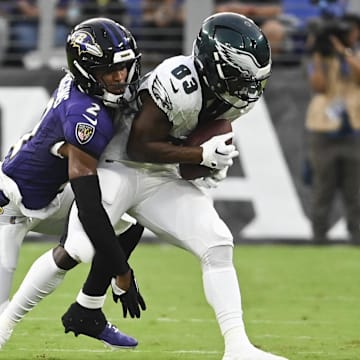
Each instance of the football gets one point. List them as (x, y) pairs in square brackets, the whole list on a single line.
[(201, 134)]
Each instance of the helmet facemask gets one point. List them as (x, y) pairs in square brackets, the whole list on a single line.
[(109, 94), (238, 88)]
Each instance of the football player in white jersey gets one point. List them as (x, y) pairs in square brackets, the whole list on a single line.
[(223, 78)]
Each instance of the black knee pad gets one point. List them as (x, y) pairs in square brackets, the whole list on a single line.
[(62, 259)]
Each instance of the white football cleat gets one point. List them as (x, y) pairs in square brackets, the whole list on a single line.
[(6, 329), (252, 354)]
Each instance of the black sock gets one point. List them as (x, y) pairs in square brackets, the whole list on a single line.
[(100, 275)]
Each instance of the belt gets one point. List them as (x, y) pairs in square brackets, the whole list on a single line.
[(3, 199)]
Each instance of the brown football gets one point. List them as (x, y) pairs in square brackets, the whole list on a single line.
[(201, 134)]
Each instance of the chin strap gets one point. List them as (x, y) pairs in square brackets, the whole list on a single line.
[(111, 100), (114, 101)]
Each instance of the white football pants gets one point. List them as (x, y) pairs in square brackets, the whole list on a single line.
[(14, 226), (179, 213)]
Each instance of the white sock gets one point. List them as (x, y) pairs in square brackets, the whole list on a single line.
[(223, 294), (42, 279), (90, 302), (236, 341)]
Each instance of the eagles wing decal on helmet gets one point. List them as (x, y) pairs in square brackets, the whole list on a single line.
[(233, 57), (85, 43), (161, 94), (238, 59)]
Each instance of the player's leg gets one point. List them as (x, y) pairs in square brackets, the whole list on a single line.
[(13, 228), (11, 238), (100, 275), (42, 279), (86, 310), (14, 225), (222, 291), (44, 276), (197, 227), (117, 192)]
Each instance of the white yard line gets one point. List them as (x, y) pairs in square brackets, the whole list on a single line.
[(198, 352), (289, 322), (198, 320)]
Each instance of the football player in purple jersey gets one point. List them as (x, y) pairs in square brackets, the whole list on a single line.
[(57, 162)]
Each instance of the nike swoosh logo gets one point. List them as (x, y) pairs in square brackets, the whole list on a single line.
[(90, 120), (175, 90), (218, 152)]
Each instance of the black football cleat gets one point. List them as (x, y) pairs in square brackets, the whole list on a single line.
[(92, 323)]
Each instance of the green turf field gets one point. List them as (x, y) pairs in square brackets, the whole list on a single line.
[(301, 302)]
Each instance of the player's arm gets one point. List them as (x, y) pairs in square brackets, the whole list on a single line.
[(148, 141), (96, 223), (85, 184)]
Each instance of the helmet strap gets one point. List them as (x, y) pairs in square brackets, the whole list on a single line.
[(111, 100), (81, 69)]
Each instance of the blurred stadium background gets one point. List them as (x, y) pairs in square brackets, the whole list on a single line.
[(264, 198)]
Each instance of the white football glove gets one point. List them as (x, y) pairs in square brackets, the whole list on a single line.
[(211, 182), (216, 154)]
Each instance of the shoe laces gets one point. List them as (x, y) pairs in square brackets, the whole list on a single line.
[(113, 327)]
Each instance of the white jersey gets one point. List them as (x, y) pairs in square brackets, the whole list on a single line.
[(174, 85)]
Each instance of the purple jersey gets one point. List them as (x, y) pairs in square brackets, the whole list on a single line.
[(70, 117)]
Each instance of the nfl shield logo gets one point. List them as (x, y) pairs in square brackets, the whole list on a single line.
[(84, 132)]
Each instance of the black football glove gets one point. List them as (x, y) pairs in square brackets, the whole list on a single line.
[(131, 300)]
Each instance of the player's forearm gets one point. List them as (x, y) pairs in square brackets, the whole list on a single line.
[(166, 153), (96, 222)]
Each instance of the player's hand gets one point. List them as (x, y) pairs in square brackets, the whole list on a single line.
[(216, 153), (211, 182), (131, 300)]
